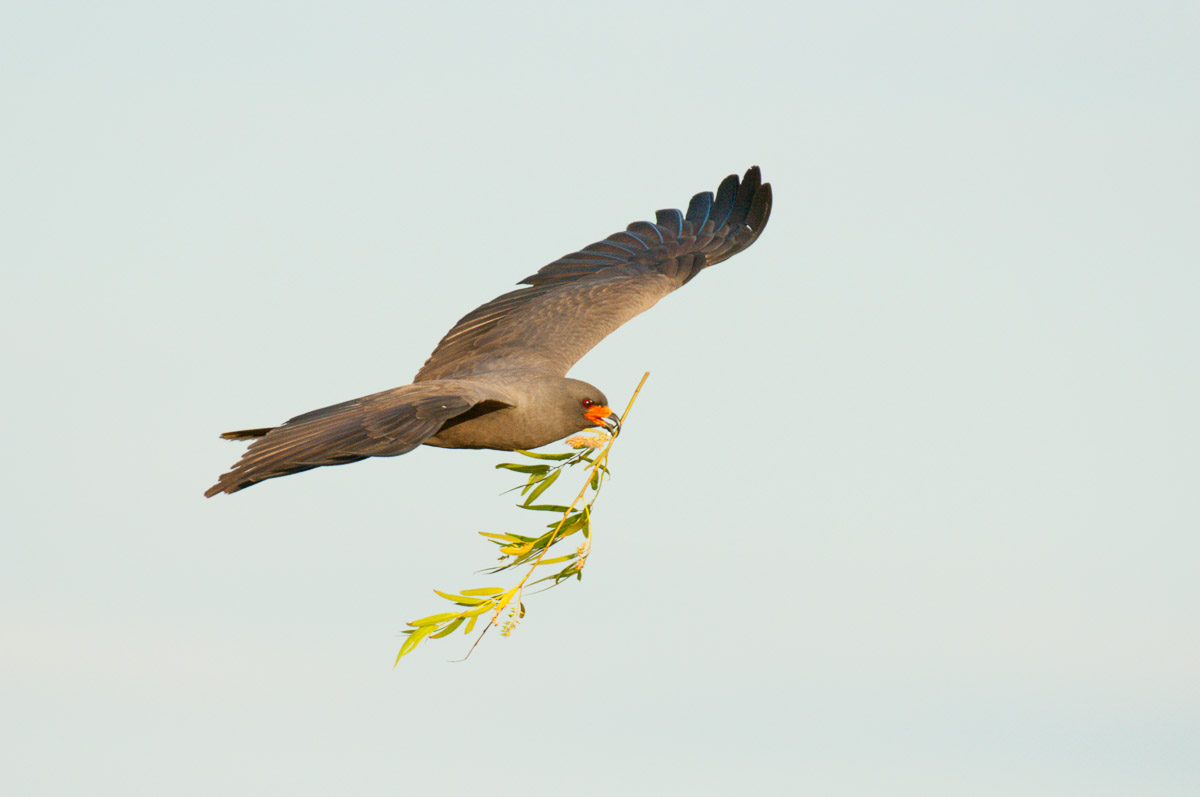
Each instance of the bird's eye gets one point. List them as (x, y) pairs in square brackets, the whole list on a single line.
[(587, 403)]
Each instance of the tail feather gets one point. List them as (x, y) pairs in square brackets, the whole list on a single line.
[(380, 425), (247, 434)]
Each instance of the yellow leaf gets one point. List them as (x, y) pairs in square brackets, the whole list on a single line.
[(480, 609), (448, 630), (412, 641), (461, 600), (557, 559), (434, 619), (508, 537)]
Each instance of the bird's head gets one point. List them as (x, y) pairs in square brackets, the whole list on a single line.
[(590, 404), (599, 414)]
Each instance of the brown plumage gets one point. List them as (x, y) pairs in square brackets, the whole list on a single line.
[(498, 378)]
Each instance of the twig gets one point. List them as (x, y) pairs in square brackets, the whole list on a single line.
[(516, 592)]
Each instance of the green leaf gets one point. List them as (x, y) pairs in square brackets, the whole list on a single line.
[(557, 559), (483, 591), (523, 468), (562, 510), (542, 487), (570, 525), (558, 457)]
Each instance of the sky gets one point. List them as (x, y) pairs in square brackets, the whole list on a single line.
[(907, 506)]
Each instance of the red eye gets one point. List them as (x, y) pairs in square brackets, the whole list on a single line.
[(587, 403)]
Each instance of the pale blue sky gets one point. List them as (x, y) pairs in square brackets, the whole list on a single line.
[(907, 507)]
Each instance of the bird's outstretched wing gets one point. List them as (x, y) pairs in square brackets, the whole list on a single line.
[(575, 302), (380, 425)]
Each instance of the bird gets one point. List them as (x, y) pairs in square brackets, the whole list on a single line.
[(498, 379)]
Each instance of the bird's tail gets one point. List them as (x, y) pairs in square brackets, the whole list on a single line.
[(380, 425), (247, 434)]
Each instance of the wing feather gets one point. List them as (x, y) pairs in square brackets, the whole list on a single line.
[(576, 301)]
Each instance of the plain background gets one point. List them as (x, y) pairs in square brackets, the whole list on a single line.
[(907, 507)]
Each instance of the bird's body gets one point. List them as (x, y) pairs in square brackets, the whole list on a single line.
[(498, 378), (536, 414)]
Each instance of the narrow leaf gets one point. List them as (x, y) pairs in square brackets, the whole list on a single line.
[(558, 457), (523, 468), (445, 632), (557, 559), (562, 510), (412, 641), (542, 487), (462, 600), (434, 619), (505, 537), (480, 609), (533, 479)]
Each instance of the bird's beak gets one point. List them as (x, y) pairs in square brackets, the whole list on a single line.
[(601, 415)]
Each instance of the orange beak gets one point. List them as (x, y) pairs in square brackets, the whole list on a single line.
[(601, 415)]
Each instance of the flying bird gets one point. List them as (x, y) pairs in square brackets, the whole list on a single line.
[(498, 379)]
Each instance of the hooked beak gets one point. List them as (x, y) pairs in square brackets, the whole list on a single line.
[(601, 415)]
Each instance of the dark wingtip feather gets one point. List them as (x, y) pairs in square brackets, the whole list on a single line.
[(670, 218), (647, 228), (726, 194), (699, 209), (746, 193), (760, 211), (738, 211)]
